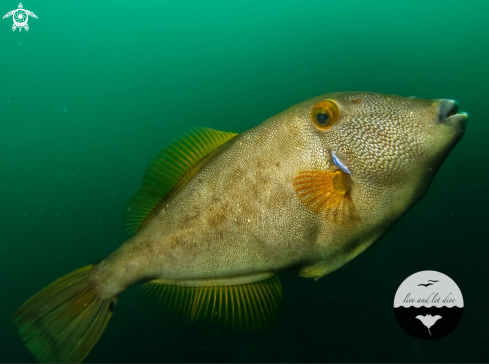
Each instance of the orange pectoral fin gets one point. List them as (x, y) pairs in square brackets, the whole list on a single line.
[(321, 190)]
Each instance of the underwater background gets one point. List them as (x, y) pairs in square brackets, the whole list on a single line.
[(95, 89)]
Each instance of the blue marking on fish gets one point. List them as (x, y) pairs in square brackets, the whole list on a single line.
[(339, 163)]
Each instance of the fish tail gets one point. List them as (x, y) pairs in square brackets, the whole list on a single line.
[(62, 322)]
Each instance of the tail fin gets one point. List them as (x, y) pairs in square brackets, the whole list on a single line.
[(62, 322)]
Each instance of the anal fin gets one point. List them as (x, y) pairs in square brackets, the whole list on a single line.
[(251, 306)]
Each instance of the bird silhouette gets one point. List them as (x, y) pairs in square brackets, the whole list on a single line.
[(430, 280), (428, 320), (426, 285)]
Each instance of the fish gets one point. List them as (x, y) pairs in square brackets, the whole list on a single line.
[(220, 214)]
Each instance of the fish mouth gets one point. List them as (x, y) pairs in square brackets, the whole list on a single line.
[(449, 114)]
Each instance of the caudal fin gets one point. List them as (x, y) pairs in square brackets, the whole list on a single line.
[(62, 322)]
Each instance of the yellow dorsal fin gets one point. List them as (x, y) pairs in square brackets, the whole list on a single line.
[(321, 190), (251, 306), (169, 171)]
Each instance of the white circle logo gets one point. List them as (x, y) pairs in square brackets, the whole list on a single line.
[(428, 305), (20, 18)]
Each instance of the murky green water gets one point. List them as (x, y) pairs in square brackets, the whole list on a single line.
[(95, 89)]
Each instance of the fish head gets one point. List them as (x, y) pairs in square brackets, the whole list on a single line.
[(390, 147)]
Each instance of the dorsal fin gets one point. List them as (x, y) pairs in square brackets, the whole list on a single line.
[(169, 171)]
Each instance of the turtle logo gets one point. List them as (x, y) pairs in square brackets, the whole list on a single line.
[(20, 16)]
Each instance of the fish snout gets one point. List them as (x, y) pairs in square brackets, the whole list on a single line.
[(448, 114)]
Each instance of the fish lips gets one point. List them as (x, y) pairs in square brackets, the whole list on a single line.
[(448, 114), (458, 120)]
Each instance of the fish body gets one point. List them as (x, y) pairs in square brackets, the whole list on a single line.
[(305, 192), (240, 218)]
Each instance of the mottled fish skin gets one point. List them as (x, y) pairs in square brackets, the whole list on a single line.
[(240, 220)]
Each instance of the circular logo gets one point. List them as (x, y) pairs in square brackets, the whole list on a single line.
[(20, 17), (428, 305)]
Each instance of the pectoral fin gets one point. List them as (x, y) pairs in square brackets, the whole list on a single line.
[(321, 190), (251, 306)]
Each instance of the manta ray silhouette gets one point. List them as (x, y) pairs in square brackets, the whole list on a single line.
[(428, 320)]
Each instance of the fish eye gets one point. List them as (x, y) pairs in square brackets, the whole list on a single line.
[(325, 114), (322, 118)]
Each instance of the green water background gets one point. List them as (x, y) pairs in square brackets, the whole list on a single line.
[(96, 88)]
